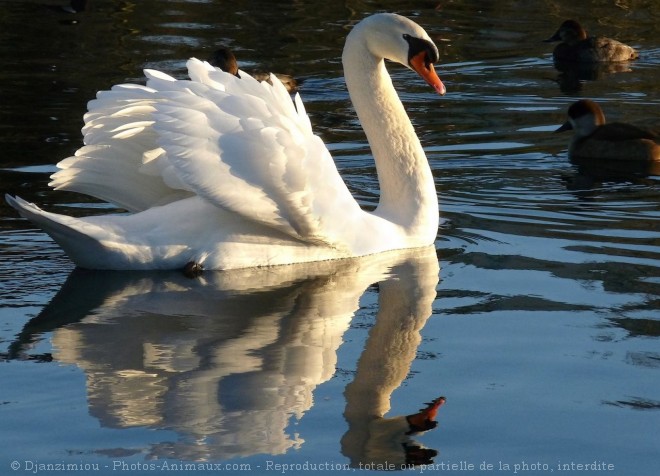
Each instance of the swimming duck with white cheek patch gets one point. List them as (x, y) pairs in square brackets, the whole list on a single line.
[(577, 46), (595, 139)]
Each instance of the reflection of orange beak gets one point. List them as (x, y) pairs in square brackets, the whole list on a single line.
[(426, 70)]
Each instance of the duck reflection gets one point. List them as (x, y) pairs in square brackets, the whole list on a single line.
[(228, 359), (572, 75), (589, 175)]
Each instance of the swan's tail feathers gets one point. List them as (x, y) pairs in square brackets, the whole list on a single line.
[(72, 234)]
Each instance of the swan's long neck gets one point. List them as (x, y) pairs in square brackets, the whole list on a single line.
[(407, 191)]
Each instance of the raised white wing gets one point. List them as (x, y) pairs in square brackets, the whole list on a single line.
[(240, 144), (119, 139)]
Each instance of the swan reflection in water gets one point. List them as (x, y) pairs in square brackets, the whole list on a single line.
[(227, 359)]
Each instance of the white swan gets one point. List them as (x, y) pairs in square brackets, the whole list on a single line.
[(227, 173)]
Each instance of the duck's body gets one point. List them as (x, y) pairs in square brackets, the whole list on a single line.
[(226, 172), (225, 59), (596, 139), (577, 47)]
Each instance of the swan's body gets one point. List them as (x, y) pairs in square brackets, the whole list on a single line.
[(226, 172)]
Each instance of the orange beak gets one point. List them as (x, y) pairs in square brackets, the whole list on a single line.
[(425, 69)]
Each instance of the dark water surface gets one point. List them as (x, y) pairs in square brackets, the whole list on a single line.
[(542, 330)]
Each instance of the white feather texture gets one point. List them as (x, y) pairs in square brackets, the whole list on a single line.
[(227, 172)]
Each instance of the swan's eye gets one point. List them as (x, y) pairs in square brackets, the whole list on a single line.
[(419, 45)]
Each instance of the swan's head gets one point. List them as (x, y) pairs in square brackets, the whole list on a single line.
[(399, 39)]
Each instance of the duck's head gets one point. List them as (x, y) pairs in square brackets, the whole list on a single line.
[(569, 32), (225, 60), (584, 116)]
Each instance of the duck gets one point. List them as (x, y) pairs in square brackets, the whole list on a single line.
[(226, 172), (577, 46), (225, 59), (616, 141)]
